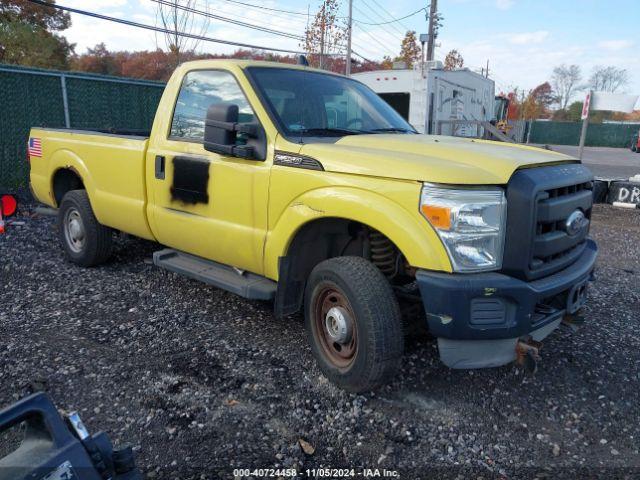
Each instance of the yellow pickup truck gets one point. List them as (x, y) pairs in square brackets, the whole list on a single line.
[(298, 186)]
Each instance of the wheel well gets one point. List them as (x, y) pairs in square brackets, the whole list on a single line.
[(326, 238), (65, 180)]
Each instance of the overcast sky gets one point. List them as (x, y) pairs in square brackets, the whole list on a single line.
[(522, 39)]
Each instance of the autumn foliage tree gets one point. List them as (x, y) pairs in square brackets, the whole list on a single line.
[(325, 35), (538, 102), (453, 60), (28, 35), (410, 51)]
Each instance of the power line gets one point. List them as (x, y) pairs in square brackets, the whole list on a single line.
[(364, 49), (386, 48), (159, 29), (387, 12), (229, 20), (382, 17), (262, 7), (423, 9), (298, 22), (382, 27), (164, 30)]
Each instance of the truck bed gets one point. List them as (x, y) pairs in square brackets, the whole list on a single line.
[(111, 164)]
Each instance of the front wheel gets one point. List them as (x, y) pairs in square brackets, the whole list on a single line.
[(353, 322), (85, 241)]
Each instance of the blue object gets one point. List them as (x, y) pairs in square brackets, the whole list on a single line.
[(53, 448)]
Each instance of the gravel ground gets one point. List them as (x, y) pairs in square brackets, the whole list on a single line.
[(202, 382)]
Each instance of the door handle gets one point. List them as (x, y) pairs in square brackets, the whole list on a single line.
[(160, 167)]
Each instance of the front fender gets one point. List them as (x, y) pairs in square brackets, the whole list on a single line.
[(415, 238)]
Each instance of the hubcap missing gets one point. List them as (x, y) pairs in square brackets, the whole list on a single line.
[(335, 325)]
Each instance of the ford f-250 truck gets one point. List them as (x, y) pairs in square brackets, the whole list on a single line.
[(295, 185)]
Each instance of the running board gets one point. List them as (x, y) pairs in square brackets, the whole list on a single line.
[(245, 284)]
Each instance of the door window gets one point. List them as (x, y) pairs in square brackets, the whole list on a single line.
[(200, 89)]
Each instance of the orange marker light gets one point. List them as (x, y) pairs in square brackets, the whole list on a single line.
[(439, 217)]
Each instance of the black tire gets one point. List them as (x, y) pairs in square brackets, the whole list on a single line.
[(361, 291), (634, 148), (88, 244)]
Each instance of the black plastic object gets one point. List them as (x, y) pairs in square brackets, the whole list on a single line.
[(52, 449), (600, 190), (224, 135), (539, 202), (159, 167), (246, 284), (219, 134), (448, 298)]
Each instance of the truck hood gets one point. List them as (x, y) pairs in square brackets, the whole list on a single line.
[(431, 158)]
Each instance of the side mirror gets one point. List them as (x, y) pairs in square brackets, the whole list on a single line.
[(221, 133)]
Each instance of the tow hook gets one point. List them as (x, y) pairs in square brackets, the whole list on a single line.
[(528, 354), (574, 321)]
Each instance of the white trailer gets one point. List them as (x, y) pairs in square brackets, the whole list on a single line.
[(424, 99)]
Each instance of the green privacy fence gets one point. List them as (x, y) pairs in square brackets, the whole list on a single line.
[(568, 133), (48, 98)]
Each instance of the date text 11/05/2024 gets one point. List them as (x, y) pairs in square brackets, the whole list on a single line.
[(315, 473)]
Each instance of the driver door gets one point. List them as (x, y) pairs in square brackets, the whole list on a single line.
[(207, 204)]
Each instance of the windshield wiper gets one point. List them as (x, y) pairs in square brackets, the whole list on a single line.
[(329, 132), (390, 129)]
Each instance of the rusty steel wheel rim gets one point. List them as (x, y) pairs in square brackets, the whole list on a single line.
[(335, 326)]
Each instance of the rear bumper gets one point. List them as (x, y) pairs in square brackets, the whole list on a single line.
[(494, 306)]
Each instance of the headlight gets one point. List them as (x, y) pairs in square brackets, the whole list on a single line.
[(469, 222)]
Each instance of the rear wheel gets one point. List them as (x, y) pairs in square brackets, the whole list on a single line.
[(353, 323), (85, 241)]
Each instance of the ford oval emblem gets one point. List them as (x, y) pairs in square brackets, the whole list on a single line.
[(575, 222)]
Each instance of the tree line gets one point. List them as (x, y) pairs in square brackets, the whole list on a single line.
[(554, 99), (31, 35)]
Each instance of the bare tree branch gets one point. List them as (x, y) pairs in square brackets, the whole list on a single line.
[(608, 79), (178, 16), (566, 82)]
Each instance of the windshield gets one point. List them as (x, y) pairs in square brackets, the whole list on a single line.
[(307, 103)]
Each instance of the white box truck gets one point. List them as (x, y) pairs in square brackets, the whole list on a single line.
[(426, 96)]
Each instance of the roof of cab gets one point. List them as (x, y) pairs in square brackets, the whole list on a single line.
[(222, 62)]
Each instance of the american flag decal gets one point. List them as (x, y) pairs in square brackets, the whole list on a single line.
[(35, 147)]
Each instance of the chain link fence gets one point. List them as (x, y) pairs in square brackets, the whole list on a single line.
[(32, 97)]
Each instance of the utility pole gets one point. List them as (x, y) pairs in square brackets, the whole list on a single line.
[(322, 28), (487, 70), (432, 19), (350, 28)]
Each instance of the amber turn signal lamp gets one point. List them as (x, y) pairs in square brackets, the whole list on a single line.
[(439, 217)]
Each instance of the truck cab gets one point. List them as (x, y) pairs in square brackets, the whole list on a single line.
[(301, 187)]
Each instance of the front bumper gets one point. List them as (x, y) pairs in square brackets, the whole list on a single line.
[(491, 306)]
